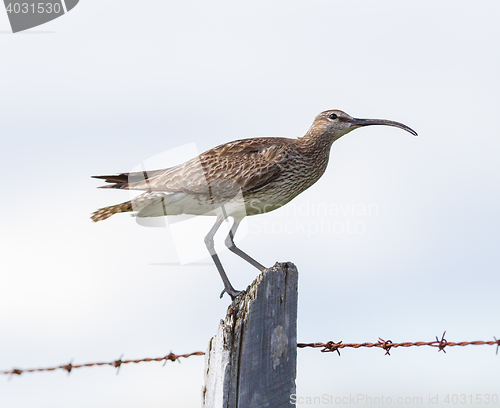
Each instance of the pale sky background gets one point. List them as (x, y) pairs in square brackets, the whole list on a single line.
[(114, 83)]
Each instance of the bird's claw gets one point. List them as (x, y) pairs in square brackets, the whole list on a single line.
[(233, 293)]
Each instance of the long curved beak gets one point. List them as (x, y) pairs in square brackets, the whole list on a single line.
[(367, 122)]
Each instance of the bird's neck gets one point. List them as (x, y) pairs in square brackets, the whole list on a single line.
[(316, 143)]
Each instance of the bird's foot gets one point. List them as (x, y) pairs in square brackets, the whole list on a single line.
[(231, 292)]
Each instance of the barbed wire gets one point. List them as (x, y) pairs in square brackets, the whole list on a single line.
[(387, 345), (117, 364), (328, 347)]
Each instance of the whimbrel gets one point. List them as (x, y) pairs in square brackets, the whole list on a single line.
[(236, 179)]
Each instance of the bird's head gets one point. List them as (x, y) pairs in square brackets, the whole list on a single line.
[(336, 124)]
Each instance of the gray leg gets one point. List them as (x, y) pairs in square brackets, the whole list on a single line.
[(232, 247), (209, 242)]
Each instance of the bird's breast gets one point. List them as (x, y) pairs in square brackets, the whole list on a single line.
[(296, 176)]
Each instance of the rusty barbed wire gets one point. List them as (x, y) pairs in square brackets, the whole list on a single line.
[(387, 345), (117, 364), (330, 346)]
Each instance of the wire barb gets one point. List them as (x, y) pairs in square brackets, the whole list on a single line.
[(442, 343), (14, 371), (332, 346), (68, 367), (386, 345), (117, 363)]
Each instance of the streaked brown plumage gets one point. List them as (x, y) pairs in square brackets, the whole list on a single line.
[(239, 178)]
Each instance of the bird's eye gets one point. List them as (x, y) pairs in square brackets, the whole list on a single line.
[(333, 116)]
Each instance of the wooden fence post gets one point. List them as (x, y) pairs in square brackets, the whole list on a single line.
[(251, 361)]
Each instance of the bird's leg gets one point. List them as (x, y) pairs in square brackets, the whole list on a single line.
[(209, 242), (233, 248)]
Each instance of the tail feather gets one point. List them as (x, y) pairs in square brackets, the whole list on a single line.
[(121, 180), (115, 178), (136, 181), (106, 212), (123, 186)]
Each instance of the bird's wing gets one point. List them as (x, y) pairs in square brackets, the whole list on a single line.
[(243, 165), (246, 165)]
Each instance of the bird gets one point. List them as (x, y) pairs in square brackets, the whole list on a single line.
[(237, 179)]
